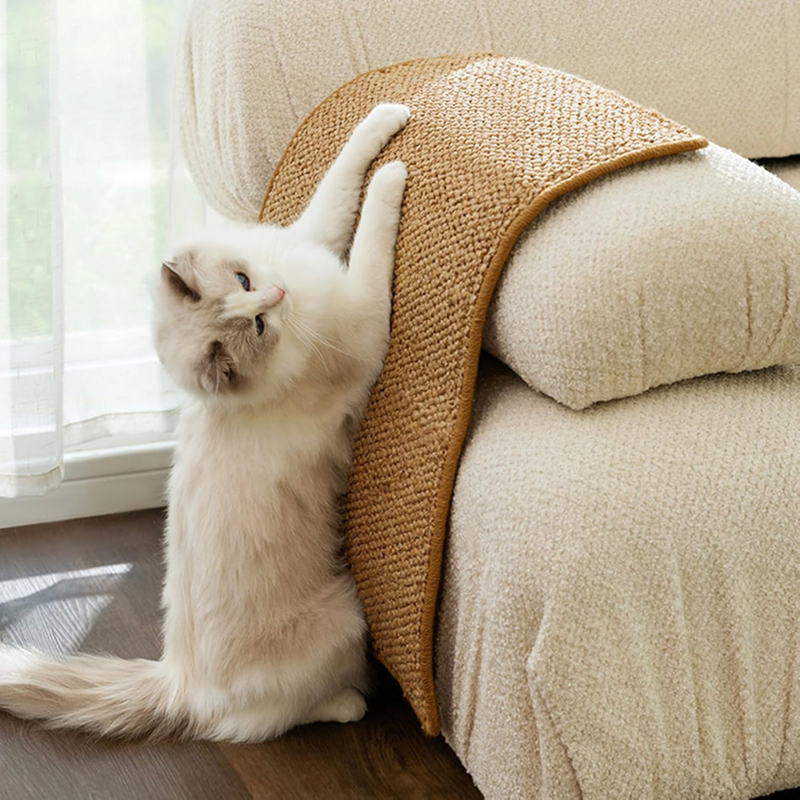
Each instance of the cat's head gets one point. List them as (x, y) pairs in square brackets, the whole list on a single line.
[(220, 322)]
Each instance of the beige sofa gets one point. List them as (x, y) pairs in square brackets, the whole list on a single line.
[(620, 608)]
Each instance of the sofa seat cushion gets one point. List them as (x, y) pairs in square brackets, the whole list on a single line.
[(621, 596)]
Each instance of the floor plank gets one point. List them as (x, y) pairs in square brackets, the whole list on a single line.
[(384, 755), (37, 764), (94, 585)]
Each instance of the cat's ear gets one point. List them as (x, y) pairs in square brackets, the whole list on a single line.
[(218, 370), (180, 278)]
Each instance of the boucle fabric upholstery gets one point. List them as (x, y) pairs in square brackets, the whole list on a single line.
[(620, 607), (251, 70), (491, 141), (787, 169), (658, 273)]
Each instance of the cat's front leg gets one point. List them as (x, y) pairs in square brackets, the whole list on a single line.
[(330, 216), (371, 265), (371, 262)]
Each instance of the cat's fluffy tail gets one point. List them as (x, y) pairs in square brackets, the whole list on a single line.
[(105, 695)]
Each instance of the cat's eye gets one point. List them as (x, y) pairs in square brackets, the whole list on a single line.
[(244, 280), (259, 325)]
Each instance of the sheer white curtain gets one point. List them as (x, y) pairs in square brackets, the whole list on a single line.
[(86, 172)]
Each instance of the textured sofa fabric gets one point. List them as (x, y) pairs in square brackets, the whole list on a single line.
[(621, 597), (253, 69), (664, 271), (787, 169)]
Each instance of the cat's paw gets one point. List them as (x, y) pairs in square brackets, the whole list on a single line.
[(389, 183), (390, 116), (347, 705), (383, 122), (350, 705)]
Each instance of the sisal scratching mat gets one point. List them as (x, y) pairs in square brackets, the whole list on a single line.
[(490, 143)]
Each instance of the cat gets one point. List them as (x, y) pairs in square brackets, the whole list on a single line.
[(278, 343)]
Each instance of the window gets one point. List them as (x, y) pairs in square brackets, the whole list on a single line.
[(88, 186)]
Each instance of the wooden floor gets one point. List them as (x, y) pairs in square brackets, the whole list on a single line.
[(94, 585)]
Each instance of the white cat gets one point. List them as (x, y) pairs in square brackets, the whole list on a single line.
[(279, 343)]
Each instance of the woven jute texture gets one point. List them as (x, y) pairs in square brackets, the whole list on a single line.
[(490, 143)]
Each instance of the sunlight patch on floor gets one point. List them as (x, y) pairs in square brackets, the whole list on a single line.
[(55, 611)]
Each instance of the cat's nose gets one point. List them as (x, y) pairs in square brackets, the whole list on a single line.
[(271, 296)]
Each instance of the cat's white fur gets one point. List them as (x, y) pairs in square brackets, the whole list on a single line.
[(263, 626)]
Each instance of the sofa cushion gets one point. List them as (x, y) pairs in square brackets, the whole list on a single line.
[(620, 602), (657, 273)]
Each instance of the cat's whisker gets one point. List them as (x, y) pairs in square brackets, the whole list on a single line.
[(310, 345), (325, 342)]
